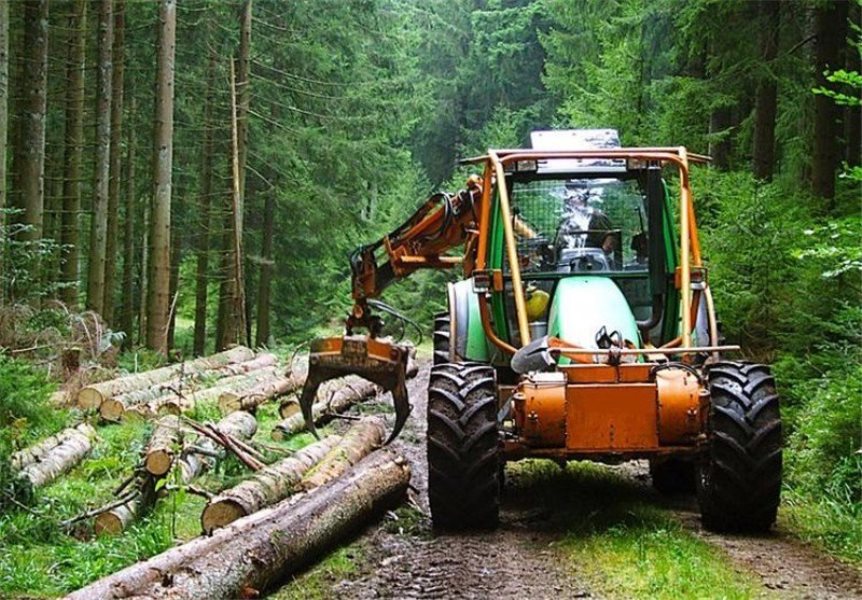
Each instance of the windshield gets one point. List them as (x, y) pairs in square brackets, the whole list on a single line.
[(580, 225)]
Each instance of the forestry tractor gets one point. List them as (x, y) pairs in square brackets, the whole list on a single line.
[(583, 329)]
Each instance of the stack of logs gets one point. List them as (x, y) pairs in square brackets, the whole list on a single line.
[(259, 531)]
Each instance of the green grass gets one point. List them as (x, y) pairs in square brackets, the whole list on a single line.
[(833, 526), (316, 583), (618, 536)]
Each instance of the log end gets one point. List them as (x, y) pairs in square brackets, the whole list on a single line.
[(90, 397), (229, 402), (170, 408), (278, 434), (108, 523), (288, 408), (158, 462), (221, 512), (112, 410)]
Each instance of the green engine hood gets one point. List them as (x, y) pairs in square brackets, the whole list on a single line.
[(583, 305)]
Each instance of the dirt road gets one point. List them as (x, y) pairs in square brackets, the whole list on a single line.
[(400, 558)]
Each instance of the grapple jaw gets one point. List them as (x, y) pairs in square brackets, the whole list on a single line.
[(377, 361)]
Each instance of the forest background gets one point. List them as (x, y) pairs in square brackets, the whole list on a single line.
[(195, 174)]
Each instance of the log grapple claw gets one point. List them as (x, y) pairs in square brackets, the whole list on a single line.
[(377, 361)]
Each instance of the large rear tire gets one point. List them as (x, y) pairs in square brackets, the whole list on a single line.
[(463, 447), (739, 480), (441, 338)]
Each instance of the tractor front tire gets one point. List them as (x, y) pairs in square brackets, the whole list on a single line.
[(739, 479), (441, 338), (463, 447), (672, 476)]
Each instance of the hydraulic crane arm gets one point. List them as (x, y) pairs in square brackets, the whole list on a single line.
[(443, 222)]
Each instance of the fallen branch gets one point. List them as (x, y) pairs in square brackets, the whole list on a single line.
[(256, 552)]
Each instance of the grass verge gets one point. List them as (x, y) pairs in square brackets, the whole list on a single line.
[(619, 538)]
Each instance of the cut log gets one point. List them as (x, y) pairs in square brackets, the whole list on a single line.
[(73, 445), (112, 409), (250, 399), (363, 437), (92, 396), (164, 443), (37, 452), (266, 487), (189, 464), (332, 399), (204, 453), (255, 552), (117, 519), (176, 404)]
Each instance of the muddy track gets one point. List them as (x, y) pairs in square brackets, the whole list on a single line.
[(520, 560)]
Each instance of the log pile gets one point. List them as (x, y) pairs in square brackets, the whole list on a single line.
[(255, 552), (161, 455), (44, 462), (92, 396), (333, 398)]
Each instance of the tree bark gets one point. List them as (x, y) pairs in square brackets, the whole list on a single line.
[(766, 100), (853, 114), (99, 222), (266, 266), (127, 320), (237, 307), (112, 409), (361, 439), (177, 404), (4, 129), (37, 452), (203, 246), (173, 294), (830, 27), (74, 445), (164, 442), (333, 397), (265, 487), (92, 396), (72, 157), (115, 154), (250, 399), (255, 552), (158, 301)]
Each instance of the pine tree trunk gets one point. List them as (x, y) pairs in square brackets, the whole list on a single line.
[(127, 320), (4, 129), (72, 156), (266, 267), (29, 155), (853, 114), (766, 101), (238, 282), (363, 437), (255, 552), (39, 451), (115, 155), (99, 223), (176, 255), (265, 487), (158, 301), (203, 246), (830, 26)]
